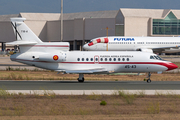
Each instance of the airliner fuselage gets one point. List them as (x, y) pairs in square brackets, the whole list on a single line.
[(145, 44)]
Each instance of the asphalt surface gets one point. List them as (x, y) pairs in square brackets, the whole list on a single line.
[(90, 85)]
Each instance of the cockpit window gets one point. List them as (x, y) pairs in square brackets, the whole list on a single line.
[(155, 57), (159, 57), (90, 41), (151, 57)]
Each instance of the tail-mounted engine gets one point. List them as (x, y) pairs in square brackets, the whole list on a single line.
[(53, 57)]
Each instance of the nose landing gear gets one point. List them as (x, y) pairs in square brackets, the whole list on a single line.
[(149, 80)]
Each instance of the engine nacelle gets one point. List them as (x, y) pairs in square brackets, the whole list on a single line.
[(53, 57)]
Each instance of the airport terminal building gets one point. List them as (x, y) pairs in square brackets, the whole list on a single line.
[(79, 28)]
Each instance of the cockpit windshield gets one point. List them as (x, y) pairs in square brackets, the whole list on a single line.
[(155, 57), (90, 41)]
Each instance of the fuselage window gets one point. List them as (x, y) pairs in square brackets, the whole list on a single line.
[(91, 59), (127, 59), (119, 59), (101, 59), (123, 59), (110, 59), (78, 59), (96, 59), (87, 59), (105, 59), (114, 59), (82, 59)]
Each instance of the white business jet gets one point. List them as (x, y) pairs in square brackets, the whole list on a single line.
[(57, 57), (144, 44)]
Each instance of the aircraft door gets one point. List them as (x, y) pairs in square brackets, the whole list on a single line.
[(96, 59)]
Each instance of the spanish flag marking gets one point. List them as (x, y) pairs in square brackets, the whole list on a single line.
[(55, 57)]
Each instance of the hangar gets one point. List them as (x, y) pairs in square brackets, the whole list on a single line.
[(79, 28)]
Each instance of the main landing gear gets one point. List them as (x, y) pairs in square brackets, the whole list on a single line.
[(149, 80), (81, 78)]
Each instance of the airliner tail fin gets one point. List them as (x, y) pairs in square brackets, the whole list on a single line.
[(24, 35)]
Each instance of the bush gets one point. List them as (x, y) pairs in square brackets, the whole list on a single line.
[(103, 103)]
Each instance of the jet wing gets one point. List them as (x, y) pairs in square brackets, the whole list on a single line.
[(168, 49), (85, 71)]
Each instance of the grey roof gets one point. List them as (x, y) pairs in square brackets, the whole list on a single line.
[(69, 16), (7, 17), (66, 16), (41, 16), (165, 12), (150, 13), (96, 14)]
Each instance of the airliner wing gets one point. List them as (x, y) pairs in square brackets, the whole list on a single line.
[(175, 48), (86, 71), (166, 47)]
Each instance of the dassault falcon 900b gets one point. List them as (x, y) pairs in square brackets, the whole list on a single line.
[(144, 44), (57, 57)]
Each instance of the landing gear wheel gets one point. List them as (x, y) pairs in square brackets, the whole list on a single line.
[(81, 80), (148, 80), (149, 76)]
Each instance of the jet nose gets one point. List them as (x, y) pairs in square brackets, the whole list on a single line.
[(86, 46), (171, 66)]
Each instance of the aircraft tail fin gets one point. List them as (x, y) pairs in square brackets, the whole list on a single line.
[(24, 35)]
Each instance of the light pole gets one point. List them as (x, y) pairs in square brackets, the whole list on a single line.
[(61, 20)]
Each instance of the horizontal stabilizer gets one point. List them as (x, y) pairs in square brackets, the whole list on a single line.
[(21, 43)]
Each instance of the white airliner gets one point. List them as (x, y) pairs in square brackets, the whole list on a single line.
[(144, 44), (57, 57)]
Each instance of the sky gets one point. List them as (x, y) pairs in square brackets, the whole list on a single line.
[(72, 6)]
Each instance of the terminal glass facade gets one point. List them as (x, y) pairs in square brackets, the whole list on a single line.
[(168, 26)]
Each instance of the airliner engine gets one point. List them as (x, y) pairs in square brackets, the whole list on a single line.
[(55, 57)]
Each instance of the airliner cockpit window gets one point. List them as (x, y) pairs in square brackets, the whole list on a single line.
[(90, 41), (151, 57), (155, 57), (159, 58)]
